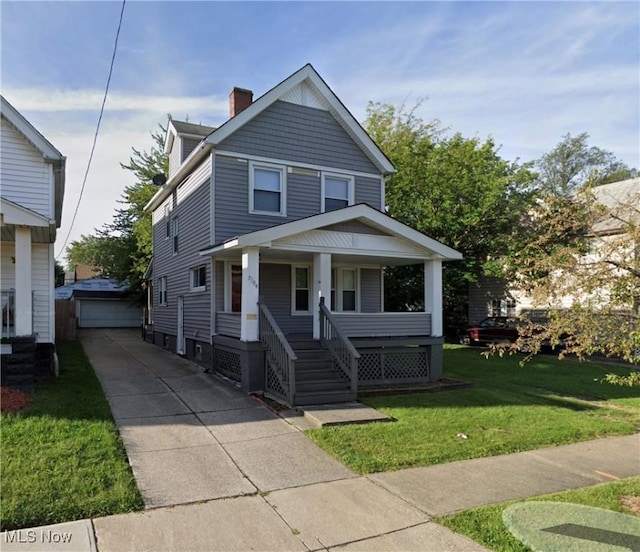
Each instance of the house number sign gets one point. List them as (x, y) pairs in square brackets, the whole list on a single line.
[(252, 281)]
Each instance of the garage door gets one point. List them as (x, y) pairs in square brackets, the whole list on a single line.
[(108, 314)]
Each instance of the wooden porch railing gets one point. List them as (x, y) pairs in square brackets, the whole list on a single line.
[(280, 356), (338, 344)]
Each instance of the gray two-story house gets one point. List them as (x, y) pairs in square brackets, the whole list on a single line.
[(270, 242)]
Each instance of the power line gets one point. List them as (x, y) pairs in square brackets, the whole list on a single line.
[(95, 136)]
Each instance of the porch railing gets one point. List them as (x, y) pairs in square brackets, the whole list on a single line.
[(8, 298), (337, 343), (280, 358)]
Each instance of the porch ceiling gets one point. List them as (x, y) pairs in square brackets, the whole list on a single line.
[(39, 234)]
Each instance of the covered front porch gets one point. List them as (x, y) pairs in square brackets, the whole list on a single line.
[(300, 311)]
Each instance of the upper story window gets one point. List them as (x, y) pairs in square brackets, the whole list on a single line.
[(162, 290), (198, 278), (167, 221), (267, 189), (337, 191)]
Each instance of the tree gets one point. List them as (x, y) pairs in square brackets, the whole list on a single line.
[(59, 274), (573, 163), (590, 285), (454, 189), (122, 249)]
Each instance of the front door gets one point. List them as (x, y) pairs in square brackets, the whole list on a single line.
[(180, 336)]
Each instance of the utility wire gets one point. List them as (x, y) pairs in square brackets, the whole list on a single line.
[(95, 136)]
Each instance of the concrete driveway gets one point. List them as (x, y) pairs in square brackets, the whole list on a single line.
[(219, 471)]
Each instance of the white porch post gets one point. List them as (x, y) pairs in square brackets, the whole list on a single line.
[(249, 330), (433, 294), (321, 287), (24, 298)]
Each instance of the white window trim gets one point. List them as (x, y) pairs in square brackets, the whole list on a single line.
[(283, 188), (338, 176), (309, 268), (192, 271), (339, 288), (161, 292)]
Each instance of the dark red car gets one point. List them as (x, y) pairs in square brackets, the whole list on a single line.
[(494, 329)]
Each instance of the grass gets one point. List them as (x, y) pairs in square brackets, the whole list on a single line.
[(485, 525), (510, 409), (62, 458)]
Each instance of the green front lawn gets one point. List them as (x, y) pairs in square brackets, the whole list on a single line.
[(62, 458), (509, 409), (485, 525)]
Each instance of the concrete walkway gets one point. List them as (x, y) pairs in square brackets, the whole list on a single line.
[(219, 471)]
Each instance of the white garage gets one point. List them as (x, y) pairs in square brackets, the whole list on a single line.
[(107, 313), (101, 303)]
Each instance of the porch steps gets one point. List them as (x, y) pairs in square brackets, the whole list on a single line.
[(317, 380)]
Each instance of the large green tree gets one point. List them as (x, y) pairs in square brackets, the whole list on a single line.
[(457, 190), (573, 163), (122, 249)]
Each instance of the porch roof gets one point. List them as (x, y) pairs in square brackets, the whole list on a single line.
[(398, 242)]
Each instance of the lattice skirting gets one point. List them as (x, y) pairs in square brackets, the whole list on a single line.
[(393, 365), (273, 384), (228, 363)]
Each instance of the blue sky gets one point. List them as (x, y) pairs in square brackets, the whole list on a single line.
[(524, 73)]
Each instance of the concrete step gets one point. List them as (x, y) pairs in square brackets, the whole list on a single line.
[(324, 397), (333, 385)]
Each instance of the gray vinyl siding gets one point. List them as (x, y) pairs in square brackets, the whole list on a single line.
[(232, 217), (275, 289), (193, 235), (368, 190), (390, 324), (370, 293), (299, 133), (188, 145), (481, 294)]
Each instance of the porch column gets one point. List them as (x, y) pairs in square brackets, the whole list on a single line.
[(24, 298), (321, 287), (433, 294), (249, 330)]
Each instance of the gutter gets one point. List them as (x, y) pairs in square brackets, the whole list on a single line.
[(189, 164)]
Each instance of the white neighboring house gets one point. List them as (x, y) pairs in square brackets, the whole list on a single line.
[(32, 178), (495, 297)]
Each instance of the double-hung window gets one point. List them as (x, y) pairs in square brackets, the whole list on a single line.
[(162, 290), (198, 278), (337, 191), (301, 290), (344, 290), (267, 189), (167, 221)]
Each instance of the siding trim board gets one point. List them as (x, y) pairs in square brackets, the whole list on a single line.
[(228, 154)]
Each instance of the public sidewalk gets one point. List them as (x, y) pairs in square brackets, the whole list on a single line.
[(219, 471)]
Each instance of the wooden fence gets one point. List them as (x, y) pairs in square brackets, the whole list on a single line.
[(66, 320)]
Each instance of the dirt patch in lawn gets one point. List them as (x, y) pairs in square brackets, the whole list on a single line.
[(12, 400), (631, 503)]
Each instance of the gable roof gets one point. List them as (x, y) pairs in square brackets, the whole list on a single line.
[(325, 97), (322, 95), (45, 148), (361, 212), (183, 128)]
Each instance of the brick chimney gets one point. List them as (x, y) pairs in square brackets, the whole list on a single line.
[(239, 100)]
